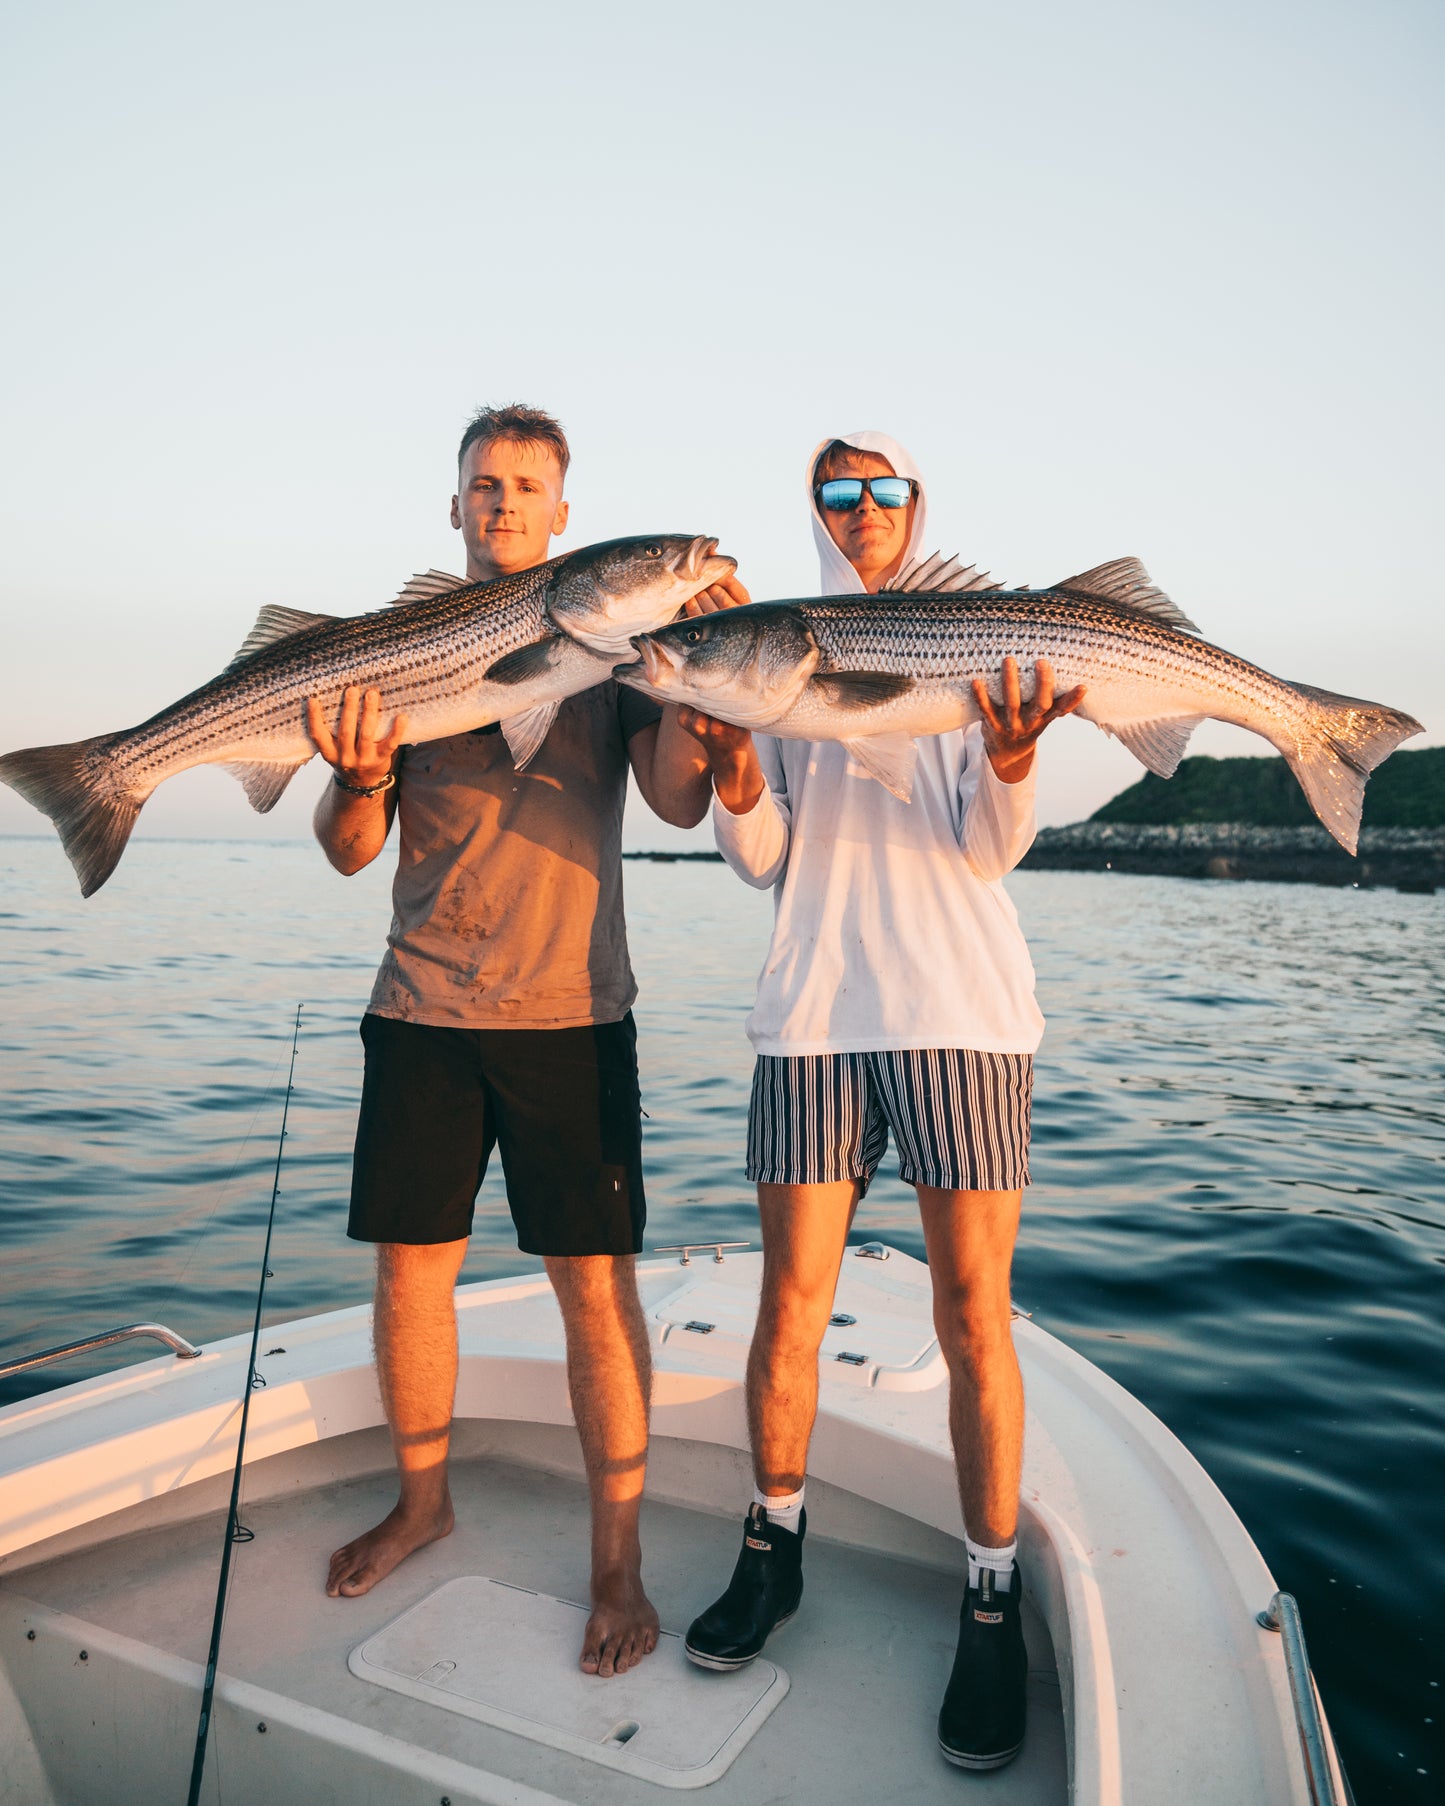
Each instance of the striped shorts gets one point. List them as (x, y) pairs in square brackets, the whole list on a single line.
[(960, 1118)]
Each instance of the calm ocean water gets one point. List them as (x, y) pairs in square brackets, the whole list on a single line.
[(1237, 1208)]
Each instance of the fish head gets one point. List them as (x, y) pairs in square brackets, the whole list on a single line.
[(743, 665), (607, 594)]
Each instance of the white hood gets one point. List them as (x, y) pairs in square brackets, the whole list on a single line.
[(838, 578)]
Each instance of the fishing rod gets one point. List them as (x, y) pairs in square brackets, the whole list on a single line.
[(236, 1532)]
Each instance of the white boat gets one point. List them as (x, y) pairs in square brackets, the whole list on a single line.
[(1152, 1678)]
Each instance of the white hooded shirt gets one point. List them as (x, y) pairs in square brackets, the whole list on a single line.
[(892, 929)]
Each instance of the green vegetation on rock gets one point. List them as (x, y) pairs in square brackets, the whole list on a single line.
[(1408, 791)]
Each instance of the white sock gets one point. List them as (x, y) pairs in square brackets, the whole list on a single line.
[(980, 1556), (783, 1508)]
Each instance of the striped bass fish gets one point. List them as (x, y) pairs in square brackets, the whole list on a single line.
[(873, 671), (450, 654)]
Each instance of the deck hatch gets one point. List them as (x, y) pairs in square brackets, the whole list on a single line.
[(896, 1336), (665, 1722)]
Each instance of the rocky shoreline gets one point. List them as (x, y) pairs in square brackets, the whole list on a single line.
[(1410, 859)]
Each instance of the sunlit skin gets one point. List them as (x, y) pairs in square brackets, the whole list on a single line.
[(969, 1234), (507, 508)]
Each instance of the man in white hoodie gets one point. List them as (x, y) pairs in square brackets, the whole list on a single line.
[(897, 994)]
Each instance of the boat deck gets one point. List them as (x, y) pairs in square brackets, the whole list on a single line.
[(866, 1660), (1144, 1587)]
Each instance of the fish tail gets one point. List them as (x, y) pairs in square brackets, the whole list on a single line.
[(76, 787), (1335, 746)]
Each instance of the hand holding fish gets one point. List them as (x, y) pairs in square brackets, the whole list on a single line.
[(357, 750), (716, 597), (737, 778), (1010, 728)]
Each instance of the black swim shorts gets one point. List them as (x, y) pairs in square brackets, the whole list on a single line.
[(562, 1104)]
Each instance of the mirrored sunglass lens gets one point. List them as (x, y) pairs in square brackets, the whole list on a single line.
[(891, 492), (840, 493)]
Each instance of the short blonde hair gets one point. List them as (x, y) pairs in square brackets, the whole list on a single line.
[(516, 424)]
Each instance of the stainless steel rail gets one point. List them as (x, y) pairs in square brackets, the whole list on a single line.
[(157, 1331), (1282, 1614)]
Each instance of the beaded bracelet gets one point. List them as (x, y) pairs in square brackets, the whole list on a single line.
[(363, 789)]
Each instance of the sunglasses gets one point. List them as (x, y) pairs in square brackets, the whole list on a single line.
[(840, 494)]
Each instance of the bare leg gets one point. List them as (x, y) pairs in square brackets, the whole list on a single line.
[(970, 1238), (415, 1331), (805, 1228), (609, 1373)]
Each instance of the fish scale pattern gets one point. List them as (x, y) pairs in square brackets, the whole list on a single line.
[(939, 640), (416, 654)]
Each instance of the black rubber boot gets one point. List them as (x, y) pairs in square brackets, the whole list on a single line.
[(981, 1724), (764, 1592)]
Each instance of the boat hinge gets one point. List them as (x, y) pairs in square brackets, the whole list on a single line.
[(688, 1249)]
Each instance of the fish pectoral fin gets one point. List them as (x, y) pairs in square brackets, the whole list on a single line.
[(1125, 583), (525, 733), (272, 624), (888, 757), (1157, 744), (526, 662), (421, 586), (264, 780), (940, 574), (860, 689)]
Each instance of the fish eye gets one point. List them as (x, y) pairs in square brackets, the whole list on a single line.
[(652, 551), (694, 636)]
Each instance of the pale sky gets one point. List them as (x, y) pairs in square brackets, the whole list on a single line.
[(1146, 278)]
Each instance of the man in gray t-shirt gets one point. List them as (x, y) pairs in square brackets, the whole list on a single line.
[(501, 1016)]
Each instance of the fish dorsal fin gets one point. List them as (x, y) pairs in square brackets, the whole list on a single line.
[(1125, 583), (421, 586), (274, 624), (264, 780), (940, 574), (526, 732)]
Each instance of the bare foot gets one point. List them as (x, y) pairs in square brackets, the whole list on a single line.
[(356, 1568), (623, 1627)]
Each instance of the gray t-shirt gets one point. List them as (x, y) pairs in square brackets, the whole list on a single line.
[(508, 894)]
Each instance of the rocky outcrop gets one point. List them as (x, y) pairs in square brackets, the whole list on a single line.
[(1404, 858)]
